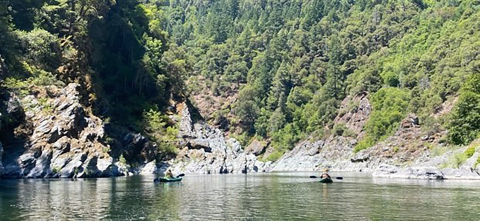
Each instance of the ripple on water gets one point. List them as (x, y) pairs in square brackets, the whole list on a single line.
[(281, 196)]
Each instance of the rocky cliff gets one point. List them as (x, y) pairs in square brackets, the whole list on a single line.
[(206, 150), (56, 137), (410, 153)]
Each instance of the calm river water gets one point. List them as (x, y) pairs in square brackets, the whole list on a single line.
[(272, 196)]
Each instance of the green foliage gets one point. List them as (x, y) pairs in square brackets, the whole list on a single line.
[(37, 77), (294, 62), (122, 160), (40, 48), (389, 108), (465, 123), (470, 151), (244, 139), (56, 169), (156, 126), (274, 156), (291, 62)]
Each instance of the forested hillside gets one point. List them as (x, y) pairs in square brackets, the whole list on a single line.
[(269, 69), (116, 50), (291, 63)]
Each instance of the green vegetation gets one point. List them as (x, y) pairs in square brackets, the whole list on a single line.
[(290, 64), (118, 51), (56, 170), (465, 125), (155, 125), (389, 108), (294, 62)]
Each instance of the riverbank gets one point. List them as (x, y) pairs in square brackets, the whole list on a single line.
[(70, 141)]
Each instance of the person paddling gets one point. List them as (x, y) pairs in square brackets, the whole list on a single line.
[(325, 175), (169, 174)]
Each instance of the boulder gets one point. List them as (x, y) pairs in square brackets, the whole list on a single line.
[(137, 147), (257, 147), (74, 166), (42, 166), (463, 173), (200, 144), (361, 156), (185, 125), (149, 168), (430, 173)]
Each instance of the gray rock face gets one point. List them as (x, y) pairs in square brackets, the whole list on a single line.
[(463, 173), (66, 141), (208, 151), (257, 147), (149, 168), (387, 171), (138, 147)]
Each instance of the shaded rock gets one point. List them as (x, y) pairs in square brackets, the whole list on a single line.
[(362, 156), (139, 148), (63, 144), (42, 166), (14, 108), (73, 166), (257, 147), (200, 144)]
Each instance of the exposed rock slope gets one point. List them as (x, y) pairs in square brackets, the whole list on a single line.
[(61, 138), (207, 150)]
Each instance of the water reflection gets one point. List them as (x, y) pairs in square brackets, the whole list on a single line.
[(281, 196)]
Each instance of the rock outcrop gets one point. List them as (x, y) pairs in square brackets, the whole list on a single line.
[(335, 152), (206, 150), (388, 171), (63, 139), (406, 154)]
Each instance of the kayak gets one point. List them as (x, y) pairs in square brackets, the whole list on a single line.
[(326, 180), (168, 180)]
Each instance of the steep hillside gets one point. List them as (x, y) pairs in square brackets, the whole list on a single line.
[(280, 70), (105, 88), (80, 82)]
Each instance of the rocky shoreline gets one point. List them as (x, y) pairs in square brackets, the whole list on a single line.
[(68, 140)]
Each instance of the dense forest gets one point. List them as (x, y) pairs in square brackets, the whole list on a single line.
[(293, 62), (288, 63)]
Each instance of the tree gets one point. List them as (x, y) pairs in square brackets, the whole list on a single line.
[(465, 124)]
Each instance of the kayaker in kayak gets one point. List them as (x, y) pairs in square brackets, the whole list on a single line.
[(169, 174), (325, 175)]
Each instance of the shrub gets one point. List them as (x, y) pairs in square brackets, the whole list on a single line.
[(40, 48), (274, 156), (389, 108), (469, 151), (465, 124)]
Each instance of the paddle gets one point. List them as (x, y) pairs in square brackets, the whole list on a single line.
[(338, 177), (180, 175)]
